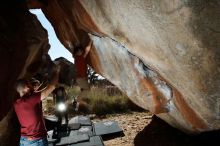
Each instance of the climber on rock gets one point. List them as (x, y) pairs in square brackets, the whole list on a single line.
[(80, 56), (29, 110)]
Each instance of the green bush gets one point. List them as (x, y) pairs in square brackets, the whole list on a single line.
[(102, 103)]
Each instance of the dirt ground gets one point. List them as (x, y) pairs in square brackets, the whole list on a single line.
[(131, 123), (141, 129)]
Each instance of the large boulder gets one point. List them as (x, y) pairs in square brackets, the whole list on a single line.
[(151, 49), (22, 42), (67, 74)]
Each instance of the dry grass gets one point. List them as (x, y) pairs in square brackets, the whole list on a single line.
[(106, 101), (102, 101)]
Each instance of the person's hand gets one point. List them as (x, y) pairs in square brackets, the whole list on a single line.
[(87, 49)]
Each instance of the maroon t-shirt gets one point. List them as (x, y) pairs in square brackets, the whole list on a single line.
[(30, 116), (81, 66)]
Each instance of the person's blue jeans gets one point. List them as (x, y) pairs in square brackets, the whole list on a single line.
[(39, 142)]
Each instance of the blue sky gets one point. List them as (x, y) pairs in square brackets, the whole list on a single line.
[(57, 49)]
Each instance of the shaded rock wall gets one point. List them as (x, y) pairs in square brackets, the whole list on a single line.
[(46, 69), (151, 49), (22, 42)]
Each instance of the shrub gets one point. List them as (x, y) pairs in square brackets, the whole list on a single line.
[(101, 102)]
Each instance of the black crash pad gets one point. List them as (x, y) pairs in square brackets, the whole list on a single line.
[(74, 126), (107, 128), (73, 138), (93, 141), (83, 120), (86, 130)]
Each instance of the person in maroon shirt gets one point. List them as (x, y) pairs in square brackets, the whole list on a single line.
[(80, 56), (29, 111)]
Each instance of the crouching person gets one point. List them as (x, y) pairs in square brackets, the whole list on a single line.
[(29, 111)]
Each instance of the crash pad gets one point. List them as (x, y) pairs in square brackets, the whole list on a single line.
[(93, 141), (83, 120), (86, 130), (73, 138), (107, 128)]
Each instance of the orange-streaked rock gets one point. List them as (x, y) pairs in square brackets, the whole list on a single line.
[(169, 40)]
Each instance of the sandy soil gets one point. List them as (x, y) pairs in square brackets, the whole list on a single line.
[(131, 123), (141, 129)]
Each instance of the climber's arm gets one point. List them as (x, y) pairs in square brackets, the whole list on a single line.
[(87, 49)]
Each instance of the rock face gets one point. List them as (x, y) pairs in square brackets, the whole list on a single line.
[(68, 73), (152, 50), (166, 51), (22, 42)]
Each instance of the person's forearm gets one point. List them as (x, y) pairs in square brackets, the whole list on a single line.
[(52, 84), (87, 49)]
